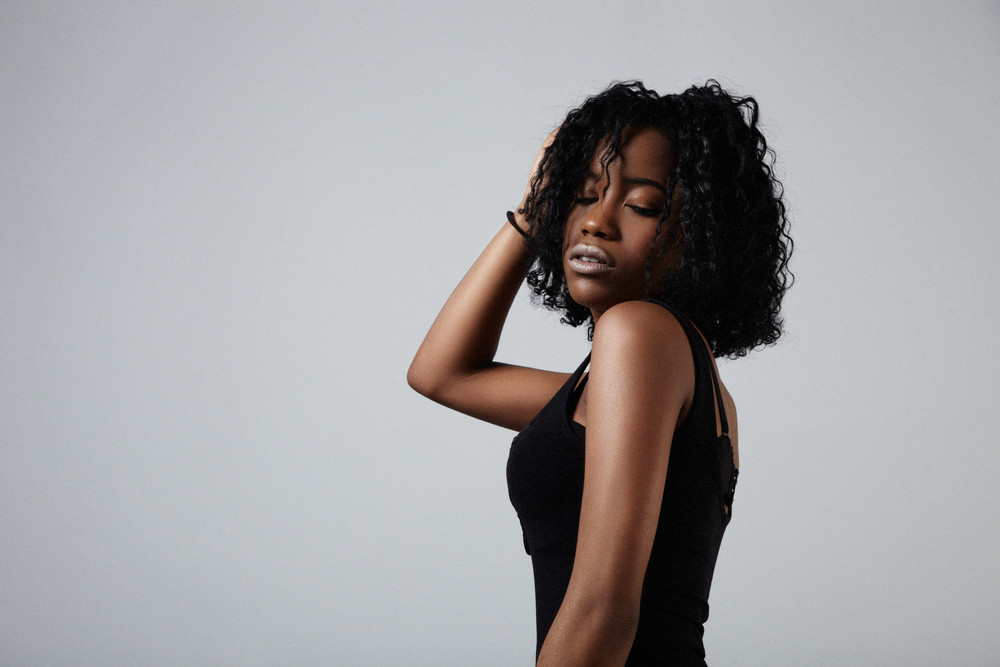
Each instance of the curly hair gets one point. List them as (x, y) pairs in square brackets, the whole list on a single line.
[(733, 271)]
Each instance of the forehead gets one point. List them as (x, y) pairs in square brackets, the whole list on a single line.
[(645, 153)]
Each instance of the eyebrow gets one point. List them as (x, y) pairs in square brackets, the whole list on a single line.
[(646, 181), (633, 181)]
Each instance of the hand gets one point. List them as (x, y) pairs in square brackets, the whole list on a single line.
[(519, 211)]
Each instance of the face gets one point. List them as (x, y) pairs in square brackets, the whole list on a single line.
[(610, 232)]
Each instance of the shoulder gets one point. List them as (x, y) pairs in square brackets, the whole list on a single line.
[(642, 325), (644, 340)]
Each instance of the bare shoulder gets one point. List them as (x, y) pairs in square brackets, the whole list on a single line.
[(642, 327), (641, 341)]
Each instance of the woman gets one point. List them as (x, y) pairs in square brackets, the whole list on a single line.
[(657, 221)]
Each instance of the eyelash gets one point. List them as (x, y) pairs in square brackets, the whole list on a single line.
[(645, 212)]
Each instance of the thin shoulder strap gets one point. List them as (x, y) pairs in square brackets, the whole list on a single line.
[(723, 422)]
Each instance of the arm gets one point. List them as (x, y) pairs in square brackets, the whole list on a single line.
[(641, 382), (454, 365)]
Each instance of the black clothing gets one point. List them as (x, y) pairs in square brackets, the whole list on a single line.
[(545, 483)]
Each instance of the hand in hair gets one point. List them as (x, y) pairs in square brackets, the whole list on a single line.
[(519, 218)]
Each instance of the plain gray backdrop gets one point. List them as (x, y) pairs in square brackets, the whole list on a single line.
[(225, 227)]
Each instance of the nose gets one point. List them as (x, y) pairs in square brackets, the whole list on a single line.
[(598, 222)]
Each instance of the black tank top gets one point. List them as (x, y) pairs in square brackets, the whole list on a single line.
[(545, 483)]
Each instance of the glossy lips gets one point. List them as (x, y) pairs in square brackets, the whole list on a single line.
[(589, 259)]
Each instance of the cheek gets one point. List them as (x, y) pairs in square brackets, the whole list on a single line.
[(569, 225)]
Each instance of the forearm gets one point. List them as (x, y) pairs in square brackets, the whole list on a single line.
[(465, 334)]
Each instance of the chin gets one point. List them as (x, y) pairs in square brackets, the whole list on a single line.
[(593, 298)]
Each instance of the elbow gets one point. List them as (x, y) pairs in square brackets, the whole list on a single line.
[(610, 612), (598, 633), (616, 628), (418, 380), (423, 380)]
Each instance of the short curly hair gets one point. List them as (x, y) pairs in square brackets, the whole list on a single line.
[(733, 271)]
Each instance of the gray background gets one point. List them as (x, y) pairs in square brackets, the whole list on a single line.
[(224, 228)]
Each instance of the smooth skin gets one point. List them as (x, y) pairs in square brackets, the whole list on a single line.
[(640, 387)]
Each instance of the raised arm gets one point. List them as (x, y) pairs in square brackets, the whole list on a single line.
[(641, 385), (454, 365)]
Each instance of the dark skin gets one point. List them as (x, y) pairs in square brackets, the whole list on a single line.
[(640, 387)]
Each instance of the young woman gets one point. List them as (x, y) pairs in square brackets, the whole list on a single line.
[(657, 221)]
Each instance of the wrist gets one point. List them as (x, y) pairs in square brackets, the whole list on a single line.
[(512, 219)]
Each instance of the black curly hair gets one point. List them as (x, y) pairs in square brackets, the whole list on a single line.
[(733, 271)]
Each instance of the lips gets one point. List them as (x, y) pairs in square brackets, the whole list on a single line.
[(589, 259)]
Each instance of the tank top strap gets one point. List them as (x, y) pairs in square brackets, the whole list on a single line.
[(574, 385), (723, 422)]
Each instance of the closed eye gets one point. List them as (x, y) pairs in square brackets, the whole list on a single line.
[(585, 201), (646, 212)]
